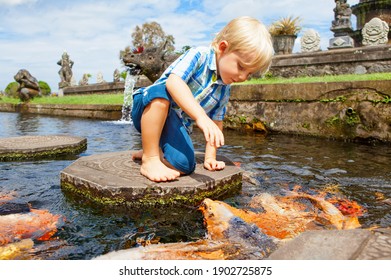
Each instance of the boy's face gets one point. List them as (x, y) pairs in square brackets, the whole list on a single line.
[(231, 66)]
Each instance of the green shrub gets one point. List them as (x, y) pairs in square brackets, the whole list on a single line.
[(45, 88), (12, 90)]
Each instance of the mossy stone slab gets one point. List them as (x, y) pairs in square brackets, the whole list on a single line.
[(115, 179), (40, 147)]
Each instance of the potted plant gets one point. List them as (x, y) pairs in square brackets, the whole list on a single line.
[(284, 33)]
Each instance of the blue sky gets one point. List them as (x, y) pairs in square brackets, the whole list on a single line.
[(35, 33)]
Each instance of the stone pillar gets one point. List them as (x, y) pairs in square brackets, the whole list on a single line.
[(341, 26)]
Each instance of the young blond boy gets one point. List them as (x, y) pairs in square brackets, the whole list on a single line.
[(196, 88)]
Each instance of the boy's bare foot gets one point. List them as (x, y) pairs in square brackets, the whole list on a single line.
[(155, 170), (137, 155)]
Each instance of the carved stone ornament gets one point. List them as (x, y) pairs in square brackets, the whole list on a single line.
[(84, 80), (375, 32), (116, 76), (310, 41), (99, 78), (28, 85), (65, 71)]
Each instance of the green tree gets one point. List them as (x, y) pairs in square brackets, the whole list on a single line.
[(45, 88), (151, 34), (12, 90), (184, 49)]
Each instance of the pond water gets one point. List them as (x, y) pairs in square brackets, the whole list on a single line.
[(362, 172)]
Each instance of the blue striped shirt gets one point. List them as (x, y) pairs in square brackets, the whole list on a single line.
[(197, 67)]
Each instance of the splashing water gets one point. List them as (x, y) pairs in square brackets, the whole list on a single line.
[(130, 82)]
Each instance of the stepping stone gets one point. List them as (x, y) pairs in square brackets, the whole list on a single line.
[(355, 244), (38, 147), (115, 179)]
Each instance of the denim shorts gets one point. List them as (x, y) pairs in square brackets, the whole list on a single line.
[(175, 141)]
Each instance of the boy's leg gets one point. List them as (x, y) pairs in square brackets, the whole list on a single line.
[(177, 146), (152, 123)]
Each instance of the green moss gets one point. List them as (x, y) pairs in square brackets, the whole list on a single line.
[(306, 125), (333, 121), (385, 100), (337, 99), (53, 153), (229, 188), (353, 120)]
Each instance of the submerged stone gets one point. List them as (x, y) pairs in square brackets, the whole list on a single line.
[(38, 147), (115, 179)]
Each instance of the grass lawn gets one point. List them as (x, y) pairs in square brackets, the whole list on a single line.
[(106, 99), (327, 78)]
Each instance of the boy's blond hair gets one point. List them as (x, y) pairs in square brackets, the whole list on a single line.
[(247, 35)]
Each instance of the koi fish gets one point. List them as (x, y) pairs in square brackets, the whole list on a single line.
[(228, 238), (243, 234), (290, 208), (15, 250), (330, 212), (36, 224)]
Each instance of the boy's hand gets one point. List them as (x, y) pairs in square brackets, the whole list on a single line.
[(213, 135), (213, 164)]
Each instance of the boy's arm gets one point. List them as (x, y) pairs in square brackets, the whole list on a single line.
[(183, 96), (210, 161)]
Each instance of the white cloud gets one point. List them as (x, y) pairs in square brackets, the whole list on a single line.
[(16, 2)]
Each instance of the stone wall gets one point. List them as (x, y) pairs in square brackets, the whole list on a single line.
[(333, 62), (339, 110), (102, 112), (104, 88)]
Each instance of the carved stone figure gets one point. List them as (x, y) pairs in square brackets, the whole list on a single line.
[(99, 78), (310, 42), (84, 80), (116, 76), (341, 26), (342, 14), (151, 62), (28, 85), (65, 70), (375, 32)]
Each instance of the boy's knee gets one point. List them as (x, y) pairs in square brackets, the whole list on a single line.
[(160, 103), (190, 167), (186, 164)]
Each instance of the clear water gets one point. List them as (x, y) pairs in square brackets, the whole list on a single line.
[(361, 171)]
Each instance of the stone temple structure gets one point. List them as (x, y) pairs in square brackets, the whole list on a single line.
[(365, 11)]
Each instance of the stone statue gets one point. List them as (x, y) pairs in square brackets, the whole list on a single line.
[(342, 14), (99, 78), (150, 62), (310, 42), (65, 70), (116, 76), (84, 80), (375, 32), (341, 26), (28, 85)]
